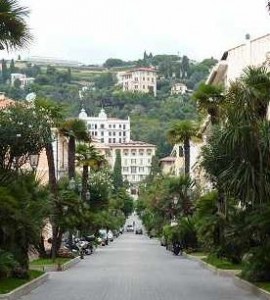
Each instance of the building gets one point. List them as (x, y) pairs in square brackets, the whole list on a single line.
[(255, 52), (5, 102), (142, 80), (24, 80), (136, 159), (110, 135), (107, 130), (234, 61), (178, 89)]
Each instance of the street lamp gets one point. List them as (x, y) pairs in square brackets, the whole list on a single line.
[(175, 200), (87, 195), (33, 160), (72, 184)]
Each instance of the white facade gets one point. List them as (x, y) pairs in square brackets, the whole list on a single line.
[(107, 130), (23, 79), (234, 61), (140, 80), (136, 159), (178, 89)]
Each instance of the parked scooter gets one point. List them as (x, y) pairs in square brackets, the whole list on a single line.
[(177, 248)]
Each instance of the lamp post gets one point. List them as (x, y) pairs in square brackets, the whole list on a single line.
[(174, 204), (33, 160)]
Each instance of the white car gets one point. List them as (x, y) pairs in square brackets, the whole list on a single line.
[(110, 236), (130, 228)]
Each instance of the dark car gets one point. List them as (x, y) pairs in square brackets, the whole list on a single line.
[(139, 230)]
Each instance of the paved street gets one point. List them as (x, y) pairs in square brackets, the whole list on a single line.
[(135, 267)]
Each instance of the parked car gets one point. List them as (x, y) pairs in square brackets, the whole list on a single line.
[(104, 237), (110, 236), (130, 228), (139, 230)]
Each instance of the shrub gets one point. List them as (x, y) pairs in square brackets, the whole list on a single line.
[(7, 264)]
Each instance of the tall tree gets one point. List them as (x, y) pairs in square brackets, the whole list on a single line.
[(88, 157), (51, 115), (74, 129), (182, 132), (14, 32), (5, 73), (117, 171)]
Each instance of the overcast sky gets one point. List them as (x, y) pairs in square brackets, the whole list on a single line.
[(91, 31)]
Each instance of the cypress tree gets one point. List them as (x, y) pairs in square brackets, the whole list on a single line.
[(5, 73), (117, 172)]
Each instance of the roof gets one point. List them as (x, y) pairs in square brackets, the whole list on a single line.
[(168, 159), (140, 69), (4, 102), (133, 144)]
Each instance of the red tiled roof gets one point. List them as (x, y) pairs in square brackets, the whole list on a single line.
[(168, 158), (6, 102)]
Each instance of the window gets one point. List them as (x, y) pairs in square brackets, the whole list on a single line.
[(110, 140), (113, 125), (143, 78), (110, 134), (102, 126), (95, 133), (141, 169), (124, 126), (125, 162), (125, 169), (124, 133), (120, 140), (124, 140), (110, 126), (141, 161), (143, 86), (133, 170), (148, 79), (136, 87), (120, 133), (133, 161), (102, 133), (125, 152), (120, 126), (114, 140), (114, 133), (133, 152), (149, 151), (95, 126), (141, 152), (102, 140), (89, 126), (152, 80)]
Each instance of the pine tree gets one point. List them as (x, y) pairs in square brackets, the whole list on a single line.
[(12, 68), (117, 172)]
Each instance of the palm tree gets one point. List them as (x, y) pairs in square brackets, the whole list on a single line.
[(182, 132), (50, 115), (74, 129), (14, 32), (87, 156), (209, 98)]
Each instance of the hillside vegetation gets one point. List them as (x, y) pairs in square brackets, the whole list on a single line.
[(150, 116)]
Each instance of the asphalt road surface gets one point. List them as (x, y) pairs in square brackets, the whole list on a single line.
[(134, 267)]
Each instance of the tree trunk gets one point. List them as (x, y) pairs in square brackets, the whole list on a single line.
[(85, 175), (71, 157), (54, 191), (187, 156)]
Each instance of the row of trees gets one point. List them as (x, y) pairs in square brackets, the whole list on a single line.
[(29, 205), (232, 221)]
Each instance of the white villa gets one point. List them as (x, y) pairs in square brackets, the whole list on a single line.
[(140, 80), (107, 130), (110, 135)]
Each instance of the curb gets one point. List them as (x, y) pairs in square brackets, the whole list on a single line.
[(248, 286), (251, 288), (55, 268), (25, 288)]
